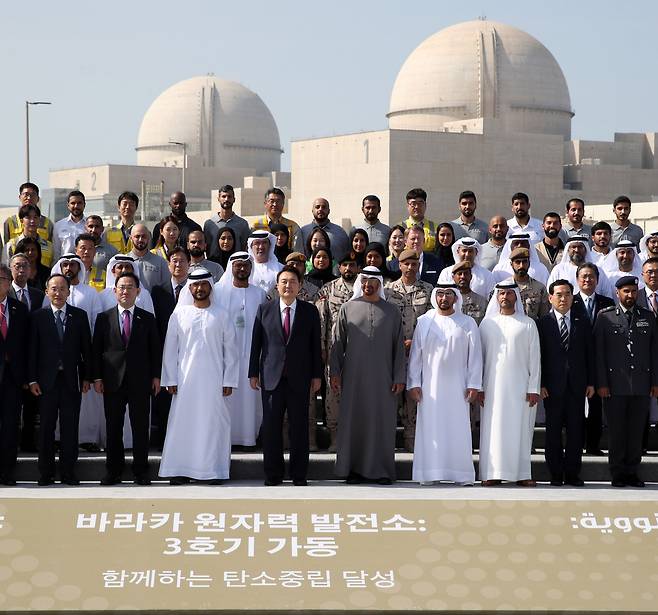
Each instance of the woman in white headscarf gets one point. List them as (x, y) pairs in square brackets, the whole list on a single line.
[(266, 264), (511, 387)]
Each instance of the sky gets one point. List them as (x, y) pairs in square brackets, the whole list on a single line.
[(321, 67)]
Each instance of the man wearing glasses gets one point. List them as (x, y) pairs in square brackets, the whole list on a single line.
[(274, 202)]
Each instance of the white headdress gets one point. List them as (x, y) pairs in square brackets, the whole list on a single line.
[(226, 281), (467, 242), (119, 258), (368, 272), (582, 239), (493, 309), (454, 288), (263, 274), (185, 298), (611, 264), (57, 267), (536, 270), (644, 251)]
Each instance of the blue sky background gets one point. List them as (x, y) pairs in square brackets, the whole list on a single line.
[(322, 68)]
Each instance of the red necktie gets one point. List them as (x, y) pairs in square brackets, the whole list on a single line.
[(286, 323), (3, 321), (125, 333)]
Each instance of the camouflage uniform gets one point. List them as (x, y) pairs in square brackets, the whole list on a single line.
[(535, 298), (330, 297), (474, 305), (412, 302)]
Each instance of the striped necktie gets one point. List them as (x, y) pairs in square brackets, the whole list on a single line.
[(564, 333)]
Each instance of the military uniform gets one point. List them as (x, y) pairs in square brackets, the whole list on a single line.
[(330, 297), (308, 292), (627, 364), (474, 305), (413, 302), (535, 298)]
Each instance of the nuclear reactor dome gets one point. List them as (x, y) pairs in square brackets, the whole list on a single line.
[(481, 69), (221, 122)]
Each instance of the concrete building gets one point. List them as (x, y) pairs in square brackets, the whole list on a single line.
[(202, 132), (482, 106)]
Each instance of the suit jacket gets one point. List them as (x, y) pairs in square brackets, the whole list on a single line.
[(432, 266), (13, 350), (626, 356), (46, 349), (569, 370), (134, 365), (164, 303), (271, 357), (542, 252), (642, 300), (600, 303), (36, 297)]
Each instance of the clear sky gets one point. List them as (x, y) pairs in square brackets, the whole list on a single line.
[(321, 67)]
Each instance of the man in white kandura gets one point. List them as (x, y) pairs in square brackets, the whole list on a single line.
[(511, 386), (445, 375), (266, 265), (240, 300), (200, 368)]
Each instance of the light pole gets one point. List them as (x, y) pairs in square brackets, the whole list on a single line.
[(27, 133), (184, 146)]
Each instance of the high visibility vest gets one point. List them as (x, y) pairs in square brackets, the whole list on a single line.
[(97, 279), (430, 232), (160, 251), (47, 250), (114, 237), (14, 228), (263, 224)]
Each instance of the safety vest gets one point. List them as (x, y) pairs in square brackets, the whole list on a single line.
[(114, 237), (14, 228), (97, 279), (160, 251), (430, 232), (47, 252), (263, 224)]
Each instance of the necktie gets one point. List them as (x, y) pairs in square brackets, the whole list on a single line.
[(3, 321), (125, 329), (564, 334), (177, 290), (654, 304), (590, 308), (59, 324), (23, 297), (286, 323)]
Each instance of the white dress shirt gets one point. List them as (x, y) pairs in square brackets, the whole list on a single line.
[(18, 290), (293, 308)]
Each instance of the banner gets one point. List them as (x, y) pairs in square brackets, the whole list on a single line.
[(108, 554)]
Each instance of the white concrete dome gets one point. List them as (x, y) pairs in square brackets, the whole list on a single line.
[(482, 69), (223, 124)]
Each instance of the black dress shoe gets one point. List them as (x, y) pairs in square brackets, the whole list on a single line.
[(354, 479), (384, 480), (597, 452), (70, 480), (272, 482), (216, 481), (618, 482), (108, 480), (556, 482), (179, 480), (142, 480), (300, 483), (575, 482), (634, 481), (45, 481)]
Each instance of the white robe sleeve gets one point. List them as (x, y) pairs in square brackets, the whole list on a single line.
[(170, 354), (474, 363), (534, 359), (145, 302), (415, 368), (231, 356)]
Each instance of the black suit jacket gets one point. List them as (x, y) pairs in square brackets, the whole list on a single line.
[(569, 370), (13, 350), (432, 266), (164, 303), (134, 366), (46, 350), (270, 356), (36, 297), (600, 303)]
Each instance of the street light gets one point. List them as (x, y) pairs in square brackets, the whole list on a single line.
[(184, 146), (27, 133)]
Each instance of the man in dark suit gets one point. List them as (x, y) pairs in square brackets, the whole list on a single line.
[(286, 364), (430, 265), (32, 298), (58, 366), (127, 358), (567, 376), (165, 298), (14, 330), (626, 344), (589, 303), (647, 297)]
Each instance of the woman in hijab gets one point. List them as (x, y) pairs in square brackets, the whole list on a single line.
[(376, 257), (359, 240), (226, 243), (322, 270), (282, 234), (445, 237)]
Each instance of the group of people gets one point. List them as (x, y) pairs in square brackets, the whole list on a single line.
[(228, 334)]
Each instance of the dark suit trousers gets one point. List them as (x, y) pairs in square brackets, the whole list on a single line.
[(275, 404), (10, 410), (594, 424), (29, 422), (567, 411), (161, 406), (627, 418), (115, 412), (63, 402)]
